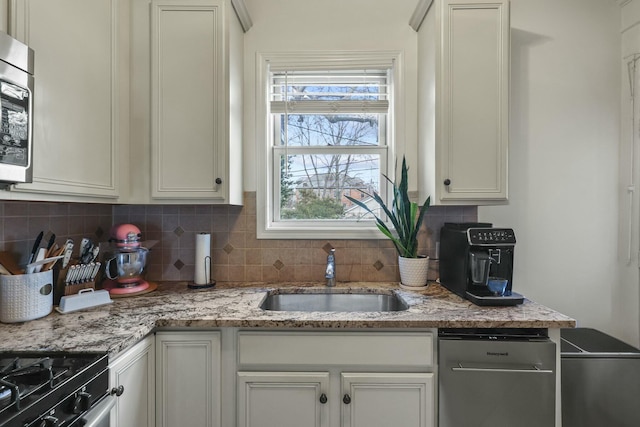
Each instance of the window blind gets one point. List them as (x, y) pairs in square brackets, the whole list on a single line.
[(328, 92)]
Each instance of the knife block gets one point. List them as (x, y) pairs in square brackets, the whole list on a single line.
[(71, 288)]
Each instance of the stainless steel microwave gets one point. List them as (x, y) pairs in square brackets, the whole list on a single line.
[(16, 105)]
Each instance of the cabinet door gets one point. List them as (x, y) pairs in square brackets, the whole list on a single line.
[(188, 130), (389, 399), (188, 379), (283, 399), (135, 371), (474, 99), (80, 132)]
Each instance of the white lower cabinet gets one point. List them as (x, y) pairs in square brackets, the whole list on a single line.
[(134, 370), (261, 378), (388, 399), (321, 379), (188, 379), (303, 399), (282, 399)]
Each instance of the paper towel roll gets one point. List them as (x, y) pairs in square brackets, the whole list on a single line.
[(203, 259)]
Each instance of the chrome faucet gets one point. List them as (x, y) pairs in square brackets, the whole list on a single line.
[(330, 272)]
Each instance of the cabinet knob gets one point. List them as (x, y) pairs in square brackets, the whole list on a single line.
[(117, 390), (346, 399), (447, 181), (323, 398), (218, 181)]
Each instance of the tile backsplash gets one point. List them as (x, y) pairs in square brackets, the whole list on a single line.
[(170, 230), (20, 223)]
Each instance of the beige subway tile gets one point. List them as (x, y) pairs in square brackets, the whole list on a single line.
[(220, 223), (219, 257), (237, 239), (302, 244), (350, 256), (269, 273), (219, 240), (369, 244), (304, 273), (237, 273), (238, 223), (220, 272), (253, 273), (253, 256), (389, 256), (370, 256), (237, 257), (286, 273)]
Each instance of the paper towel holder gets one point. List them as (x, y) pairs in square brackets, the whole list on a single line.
[(207, 274)]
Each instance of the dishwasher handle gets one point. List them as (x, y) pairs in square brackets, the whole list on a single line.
[(533, 370)]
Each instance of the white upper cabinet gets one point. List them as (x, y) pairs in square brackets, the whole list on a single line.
[(81, 97), (187, 100), (464, 101)]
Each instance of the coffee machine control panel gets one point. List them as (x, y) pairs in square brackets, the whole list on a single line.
[(491, 236)]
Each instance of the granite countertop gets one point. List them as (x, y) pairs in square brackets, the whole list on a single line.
[(117, 326)]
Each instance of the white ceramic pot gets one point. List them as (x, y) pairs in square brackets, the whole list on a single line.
[(413, 271)]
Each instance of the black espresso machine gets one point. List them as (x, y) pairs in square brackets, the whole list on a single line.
[(476, 263)]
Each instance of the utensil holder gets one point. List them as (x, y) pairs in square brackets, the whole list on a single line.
[(25, 297)]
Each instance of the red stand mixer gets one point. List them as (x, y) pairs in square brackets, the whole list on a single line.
[(126, 262)]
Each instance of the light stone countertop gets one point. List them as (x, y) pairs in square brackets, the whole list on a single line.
[(117, 326)]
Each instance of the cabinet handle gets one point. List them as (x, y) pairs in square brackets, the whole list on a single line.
[(346, 399), (323, 398), (218, 181), (447, 181)]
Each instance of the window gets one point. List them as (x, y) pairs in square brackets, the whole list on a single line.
[(327, 130)]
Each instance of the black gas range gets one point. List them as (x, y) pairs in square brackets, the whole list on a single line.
[(61, 389)]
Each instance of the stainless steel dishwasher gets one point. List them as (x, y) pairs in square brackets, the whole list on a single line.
[(496, 378)]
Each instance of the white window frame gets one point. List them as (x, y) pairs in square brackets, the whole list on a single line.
[(268, 164)]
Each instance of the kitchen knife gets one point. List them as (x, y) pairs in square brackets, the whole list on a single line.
[(36, 265), (95, 250), (68, 250), (85, 250), (73, 273), (51, 241), (81, 270), (36, 245), (94, 273)]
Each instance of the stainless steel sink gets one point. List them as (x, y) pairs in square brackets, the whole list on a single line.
[(334, 301)]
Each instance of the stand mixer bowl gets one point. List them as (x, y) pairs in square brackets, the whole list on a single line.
[(129, 266)]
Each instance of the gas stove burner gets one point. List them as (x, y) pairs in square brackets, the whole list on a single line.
[(32, 383), (22, 377)]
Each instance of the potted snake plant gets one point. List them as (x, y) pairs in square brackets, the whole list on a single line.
[(405, 218)]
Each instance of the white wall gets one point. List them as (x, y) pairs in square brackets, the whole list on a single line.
[(346, 25), (627, 299), (564, 134)]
